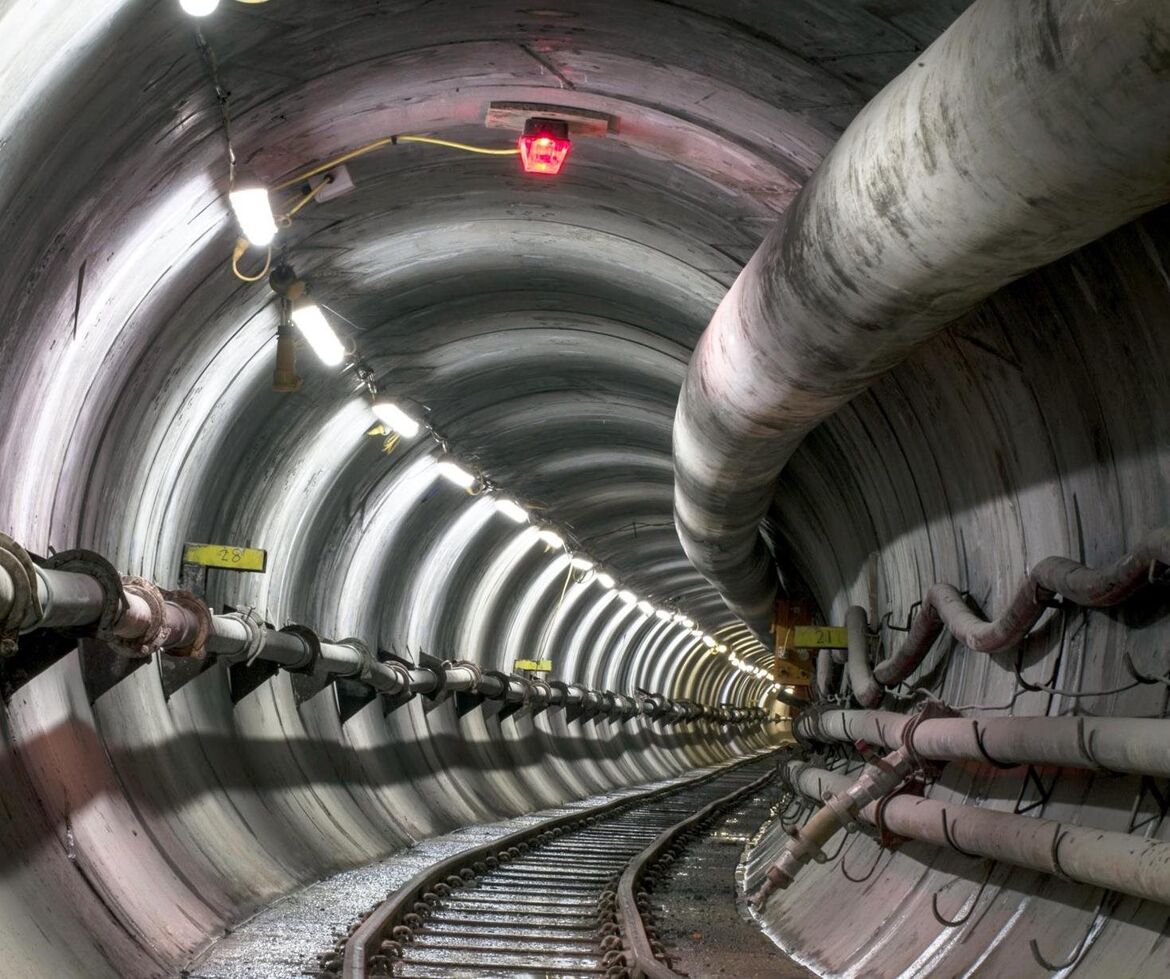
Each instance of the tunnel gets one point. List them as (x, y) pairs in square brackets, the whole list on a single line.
[(582, 356)]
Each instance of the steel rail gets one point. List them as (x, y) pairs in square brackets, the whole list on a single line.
[(643, 962), (367, 939)]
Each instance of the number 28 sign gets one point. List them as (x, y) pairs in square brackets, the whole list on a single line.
[(226, 556)]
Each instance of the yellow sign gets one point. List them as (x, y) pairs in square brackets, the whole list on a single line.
[(534, 665), (818, 637), (226, 556)]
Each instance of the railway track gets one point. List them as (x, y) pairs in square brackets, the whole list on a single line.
[(544, 902)]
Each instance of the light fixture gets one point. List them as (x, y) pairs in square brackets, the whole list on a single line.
[(317, 332), (628, 596), (511, 509), (451, 470), (579, 563), (645, 607), (688, 623), (544, 145), (664, 614), (696, 633), (391, 415), (708, 641), (199, 8), (552, 538), (253, 210), (722, 647), (605, 580)]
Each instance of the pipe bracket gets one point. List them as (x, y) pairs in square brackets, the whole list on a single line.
[(19, 564), (114, 604)]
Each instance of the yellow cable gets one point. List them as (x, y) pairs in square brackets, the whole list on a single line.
[(237, 254), (465, 147), (385, 141), (336, 161), (287, 216)]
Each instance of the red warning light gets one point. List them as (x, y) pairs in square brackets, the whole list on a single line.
[(544, 145)]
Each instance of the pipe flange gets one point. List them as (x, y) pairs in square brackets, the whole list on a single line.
[(525, 689), (365, 671), (539, 692), (503, 678), (476, 671), (197, 648), (310, 639), (26, 597), (155, 637), (90, 563), (257, 629)]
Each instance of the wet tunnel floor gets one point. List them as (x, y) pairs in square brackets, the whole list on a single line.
[(699, 911)]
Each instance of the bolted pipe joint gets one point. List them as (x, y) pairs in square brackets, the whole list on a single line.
[(880, 777)]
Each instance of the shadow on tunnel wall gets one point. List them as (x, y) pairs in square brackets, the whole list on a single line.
[(137, 830)]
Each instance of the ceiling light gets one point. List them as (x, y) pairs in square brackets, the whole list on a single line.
[(708, 641), (552, 538), (199, 8), (645, 607), (450, 469), (722, 647), (581, 563), (605, 580), (391, 415), (511, 509), (544, 145), (628, 597), (249, 199), (317, 332), (688, 623), (696, 633), (664, 614)]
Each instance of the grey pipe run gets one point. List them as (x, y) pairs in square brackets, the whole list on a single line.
[(138, 619), (1135, 746), (1115, 861), (925, 206)]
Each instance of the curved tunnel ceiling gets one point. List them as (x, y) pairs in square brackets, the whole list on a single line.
[(546, 327)]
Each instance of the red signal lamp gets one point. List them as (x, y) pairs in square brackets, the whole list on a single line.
[(544, 145)]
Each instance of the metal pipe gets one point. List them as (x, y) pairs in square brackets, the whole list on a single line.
[(923, 208), (880, 777), (1135, 746), (867, 691), (1099, 858), (150, 619)]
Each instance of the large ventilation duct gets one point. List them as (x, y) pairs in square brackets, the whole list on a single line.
[(1027, 130)]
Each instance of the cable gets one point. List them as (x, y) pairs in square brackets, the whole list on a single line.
[(465, 147), (222, 96), (286, 218), (386, 141), (237, 254)]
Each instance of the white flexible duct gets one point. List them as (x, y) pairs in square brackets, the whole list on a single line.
[(1027, 130)]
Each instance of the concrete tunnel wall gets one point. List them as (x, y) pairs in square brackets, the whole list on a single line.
[(547, 328)]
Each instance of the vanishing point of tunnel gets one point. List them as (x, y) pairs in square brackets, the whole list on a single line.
[(584, 488)]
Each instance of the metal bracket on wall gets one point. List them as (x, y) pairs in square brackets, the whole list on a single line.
[(391, 702), (352, 697), (1043, 792), (103, 668), (1149, 787), (244, 678), (436, 697)]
